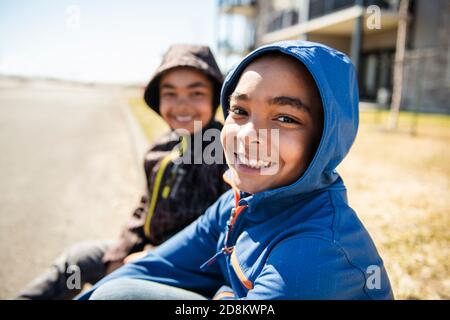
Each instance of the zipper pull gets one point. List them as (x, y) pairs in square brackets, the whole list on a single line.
[(232, 215), (210, 261)]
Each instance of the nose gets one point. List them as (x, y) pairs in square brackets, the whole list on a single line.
[(248, 133), (182, 102), (251, 137)]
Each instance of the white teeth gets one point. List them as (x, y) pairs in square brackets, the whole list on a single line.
[(183, 118), (253, 163)]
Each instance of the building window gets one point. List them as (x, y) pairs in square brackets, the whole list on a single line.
[(376, 75)]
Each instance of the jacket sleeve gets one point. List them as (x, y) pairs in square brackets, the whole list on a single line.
[(225, 293), (317, 269), (177, 261), (132, 237)]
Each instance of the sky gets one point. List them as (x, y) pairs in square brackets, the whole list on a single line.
[(99, 40)]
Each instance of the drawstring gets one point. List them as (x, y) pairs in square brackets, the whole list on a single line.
[(210, 261), (225, 250), (230, 223)]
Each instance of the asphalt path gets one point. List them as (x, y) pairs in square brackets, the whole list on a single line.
[(69, 172)]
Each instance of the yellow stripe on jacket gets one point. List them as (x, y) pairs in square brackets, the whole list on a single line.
[(156, 186)]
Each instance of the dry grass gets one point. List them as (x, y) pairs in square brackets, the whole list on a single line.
[(152, 124), (398, 183)]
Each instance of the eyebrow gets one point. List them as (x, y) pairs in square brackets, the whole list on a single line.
[(292, 101), (239, 96), (190, 86), (279, 100)]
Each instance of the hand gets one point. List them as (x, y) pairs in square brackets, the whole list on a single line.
[(135, 256), (110, 267)]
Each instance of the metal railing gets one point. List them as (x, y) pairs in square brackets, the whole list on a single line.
[(282, 19), (318, 8), (236, 3)]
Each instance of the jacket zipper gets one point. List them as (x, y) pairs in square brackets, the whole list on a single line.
[(231, 224)]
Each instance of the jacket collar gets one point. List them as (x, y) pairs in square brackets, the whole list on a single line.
[(264, 205)]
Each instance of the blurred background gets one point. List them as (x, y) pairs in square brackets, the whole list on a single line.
[(74, 127)]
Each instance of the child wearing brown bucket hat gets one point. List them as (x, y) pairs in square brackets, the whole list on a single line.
[(184, 91)]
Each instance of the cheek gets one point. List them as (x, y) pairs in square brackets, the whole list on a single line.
[(228, 136), (204, 111), (292, 152), (164, 109)]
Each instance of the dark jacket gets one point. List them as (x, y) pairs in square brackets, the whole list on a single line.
[(176, 195)]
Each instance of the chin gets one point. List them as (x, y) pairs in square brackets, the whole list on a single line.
[(189, 128), (251, 187)]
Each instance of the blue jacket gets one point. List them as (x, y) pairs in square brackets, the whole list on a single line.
[(300, 241)]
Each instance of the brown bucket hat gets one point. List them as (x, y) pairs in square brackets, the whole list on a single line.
[(182, 55)]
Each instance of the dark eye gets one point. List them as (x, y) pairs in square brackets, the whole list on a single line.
[(286, 119), (237, 111), (198, 94), (168, 94)]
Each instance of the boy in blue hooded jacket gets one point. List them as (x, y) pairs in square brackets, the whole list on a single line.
[(285, 230)]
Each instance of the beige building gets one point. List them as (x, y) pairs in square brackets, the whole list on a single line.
[(364, 30)]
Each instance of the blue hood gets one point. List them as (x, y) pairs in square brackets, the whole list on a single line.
[(337, 83)]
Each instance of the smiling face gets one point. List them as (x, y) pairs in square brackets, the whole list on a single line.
[(185, 97), (275, 92)]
